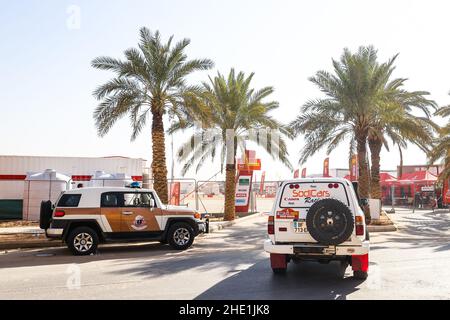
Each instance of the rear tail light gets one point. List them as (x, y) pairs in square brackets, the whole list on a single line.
[(270, 225), (59, 213), (359, 225)]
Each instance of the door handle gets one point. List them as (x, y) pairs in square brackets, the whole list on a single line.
[(127, 213)]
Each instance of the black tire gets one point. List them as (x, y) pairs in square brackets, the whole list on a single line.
[(360, 275), (45, 215), (180, 236), (330, 222), (279, 270), (163, 241), (342, 267), (75, 241)]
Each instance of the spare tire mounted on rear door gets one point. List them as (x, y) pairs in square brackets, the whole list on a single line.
[(330, 222), (45, 214)]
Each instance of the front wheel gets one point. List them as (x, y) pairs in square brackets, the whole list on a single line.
[(180, 236), (82, 241)]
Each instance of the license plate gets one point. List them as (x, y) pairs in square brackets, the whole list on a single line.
[(300, 226)]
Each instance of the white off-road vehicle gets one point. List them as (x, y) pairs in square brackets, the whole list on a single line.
[(318, 219)]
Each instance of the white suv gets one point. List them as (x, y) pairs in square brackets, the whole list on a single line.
[(318, 219)]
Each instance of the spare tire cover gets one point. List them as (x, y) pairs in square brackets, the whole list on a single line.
[(45, 214), (330, 222)]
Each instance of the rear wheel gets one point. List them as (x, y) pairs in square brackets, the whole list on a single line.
[(82, 241), (360, 275), (279, 270), (180, 236), (342, 267)]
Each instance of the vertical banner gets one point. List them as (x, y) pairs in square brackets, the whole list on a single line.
[(175, 194), (296, 173), (304, 173), (354, 168), (326, 167), (261, 184)]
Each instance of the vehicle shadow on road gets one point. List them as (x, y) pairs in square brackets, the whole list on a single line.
[(303, 281)]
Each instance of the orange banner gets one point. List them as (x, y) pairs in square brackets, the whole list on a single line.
[(354, 168), (326, 167)]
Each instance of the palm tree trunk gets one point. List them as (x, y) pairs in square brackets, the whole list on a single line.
[(159, 168), (230, 191), (400, 168), (375, 146), (363, 178)]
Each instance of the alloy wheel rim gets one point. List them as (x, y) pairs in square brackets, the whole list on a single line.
[(83, 242), (181, 236)]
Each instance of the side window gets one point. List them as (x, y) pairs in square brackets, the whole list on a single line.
[(140, 200), (69, 200), (111, 200)]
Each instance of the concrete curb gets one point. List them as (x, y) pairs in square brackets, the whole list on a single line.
[(30, 244), (386, 228), (215, 226)]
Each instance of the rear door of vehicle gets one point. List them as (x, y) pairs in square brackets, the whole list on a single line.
[(294, 201)]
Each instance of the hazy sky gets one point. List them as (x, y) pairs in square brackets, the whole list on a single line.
[(46, 81)]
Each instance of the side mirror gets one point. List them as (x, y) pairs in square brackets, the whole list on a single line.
[(364, 202), (152, 203)]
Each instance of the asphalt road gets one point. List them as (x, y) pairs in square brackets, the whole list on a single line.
[(412, 263)]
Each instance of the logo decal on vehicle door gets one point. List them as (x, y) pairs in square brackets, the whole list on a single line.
[(139, 223)]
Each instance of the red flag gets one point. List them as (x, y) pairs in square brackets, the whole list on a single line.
[(261, 185), (175, 194), (304, 173), (296, 173)]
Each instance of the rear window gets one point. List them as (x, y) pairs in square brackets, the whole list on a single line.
[(69, 200), (305, 194), (111, 200)]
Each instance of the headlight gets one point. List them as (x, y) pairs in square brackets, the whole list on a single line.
[(197, 215)]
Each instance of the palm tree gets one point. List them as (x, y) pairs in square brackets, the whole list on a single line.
[(352, 94), (237, 113), (361, 105), (151, 81), (394, 121), (441, 149)]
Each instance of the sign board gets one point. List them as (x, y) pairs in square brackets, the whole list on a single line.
[(243, 190)]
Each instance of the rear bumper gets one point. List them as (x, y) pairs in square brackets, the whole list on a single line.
[(54, 233), (302, 249)]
